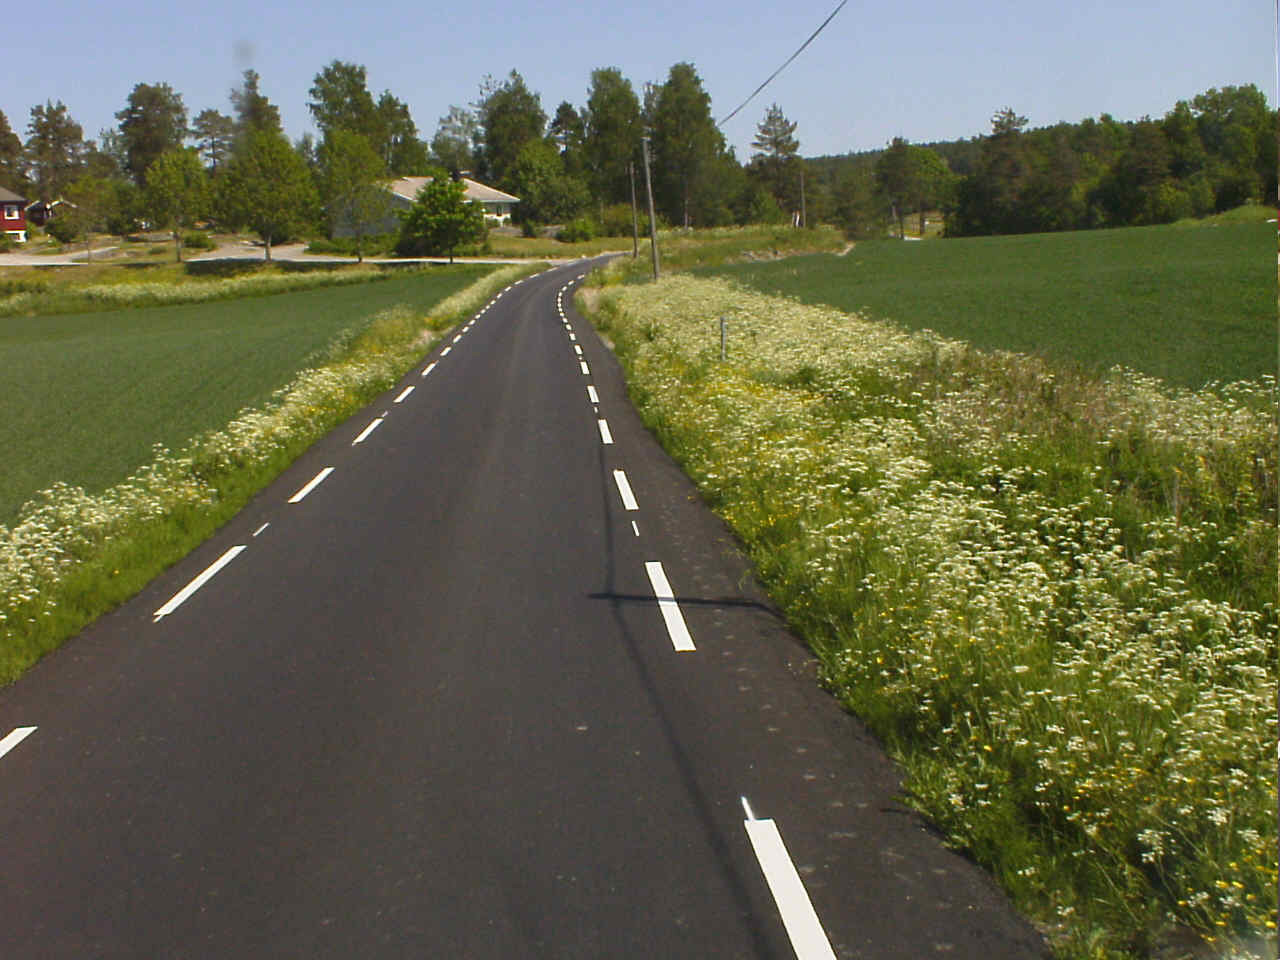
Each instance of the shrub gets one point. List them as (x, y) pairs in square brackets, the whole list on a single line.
[(576, 231), (61, 229), (617, 221), (197, 240)]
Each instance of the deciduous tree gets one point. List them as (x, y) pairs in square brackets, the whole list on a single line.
[(548, 194), (349, 174), (453, 145), (440, 220), (685, 141), (612, 131), (90, 205), (177, 193), (267, 187)]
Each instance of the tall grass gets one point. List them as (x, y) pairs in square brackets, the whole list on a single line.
[(71, 556), (1052, 595)]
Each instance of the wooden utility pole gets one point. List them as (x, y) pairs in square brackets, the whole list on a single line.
[(653, 220), (635, 216)]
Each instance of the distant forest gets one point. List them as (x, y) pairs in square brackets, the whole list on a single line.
[(1209, 154)]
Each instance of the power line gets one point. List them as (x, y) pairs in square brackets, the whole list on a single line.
[(785, 65)]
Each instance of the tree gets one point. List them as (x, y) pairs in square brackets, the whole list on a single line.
[(611, 138), (893, 179), (349, 174), (402, 153), (254, 113), (154, 120), (567, 131), (685, 141), (340, 100), (214, 133), (90, 204), (177, 192), (547, 193), (267, 187), (440, 220), (510, 115), (12, 173), (453, 145), (55, 149), (776, 163)]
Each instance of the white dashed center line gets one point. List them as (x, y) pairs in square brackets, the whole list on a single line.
[(676, 627), (315, 482), (624, 489), (15, 737), (445, 351), (592, 395), (808, 939), (403, 393), (605, 435), (430, 367), (209, 572), (586, 371), (366, 431)]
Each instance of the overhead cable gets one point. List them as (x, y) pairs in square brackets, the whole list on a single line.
[(785, 65)]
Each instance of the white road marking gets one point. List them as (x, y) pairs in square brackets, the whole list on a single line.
[(747, 809), (367, 430), (636, 527), (624, 489), (572, 337), (676, 627), (261, 528), (586, 371), (15, 737), (315, 482), (592, 395), (577, 349), (808, 939), (457, 338), (430, 367), (445, 351), (605, 435), (403, 393), (181, 596)]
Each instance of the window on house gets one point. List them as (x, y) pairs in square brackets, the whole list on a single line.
[(11, 211)]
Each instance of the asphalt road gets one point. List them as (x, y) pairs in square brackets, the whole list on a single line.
[(429, 704)]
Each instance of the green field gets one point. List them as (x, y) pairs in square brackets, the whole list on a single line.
[(1189, 305), (88, 395)]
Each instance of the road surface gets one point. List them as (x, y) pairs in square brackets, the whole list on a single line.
[(478, 676)]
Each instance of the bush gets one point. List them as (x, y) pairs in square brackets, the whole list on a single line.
[(62, 230), (6, 243), (375, 245), (197, 240), (529, 229), (576, 231), (617, 221)]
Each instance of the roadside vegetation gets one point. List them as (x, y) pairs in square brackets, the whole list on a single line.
[(1051, 594), (1186, 305), (70, 555)]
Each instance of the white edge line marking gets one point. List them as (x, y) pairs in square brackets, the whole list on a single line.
[(585, 369), (430, 367), (367, 430), (261, 528), (201, 579), (808, 939), (624, 489), (592, 395), (605, 435), (671, 614), (315, 482), (403, 393), (15, 737)]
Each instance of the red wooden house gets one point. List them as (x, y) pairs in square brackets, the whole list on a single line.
[(13, 216)]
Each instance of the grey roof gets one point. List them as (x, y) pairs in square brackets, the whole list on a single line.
[(8, 196), (408, 187)]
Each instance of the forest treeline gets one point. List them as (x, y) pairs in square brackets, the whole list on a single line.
[(578, 164)]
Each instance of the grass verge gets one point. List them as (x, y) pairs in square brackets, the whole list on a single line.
[(1053, 596), (72, 556), (1187, 305)]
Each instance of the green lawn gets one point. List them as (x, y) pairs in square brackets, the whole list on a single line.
[(1187, 305), (87, 395)]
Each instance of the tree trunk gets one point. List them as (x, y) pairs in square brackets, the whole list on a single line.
[(177, 245), (267, 238)]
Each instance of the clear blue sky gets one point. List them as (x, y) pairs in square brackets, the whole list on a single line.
[(922, 69)]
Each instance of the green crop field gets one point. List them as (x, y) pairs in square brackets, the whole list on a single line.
[(1189, 305), (87, 395)]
